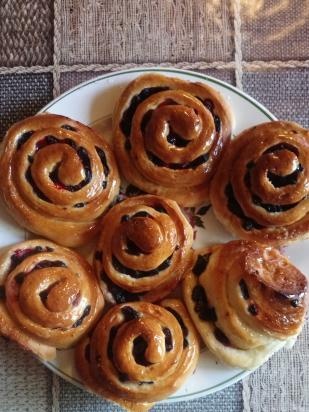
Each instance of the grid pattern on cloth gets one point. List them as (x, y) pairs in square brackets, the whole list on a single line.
[(24, 383), (26, 30)]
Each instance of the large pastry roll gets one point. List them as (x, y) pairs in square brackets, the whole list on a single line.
[(139, 353), (144, 249), (49, 297), (261, 189), (57, 177), (169, 135), (247, 301)]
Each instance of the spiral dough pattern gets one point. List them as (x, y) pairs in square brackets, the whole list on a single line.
[(58, 176), (246, 299), (144, 249), (261, 189), (169, 135), (139, 352), (49, 296)]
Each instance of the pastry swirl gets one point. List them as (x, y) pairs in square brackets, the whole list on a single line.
[(261, 189), (143, 250), (246, 299), (169, 135), (139, 352), (49, 296), (58, 177)]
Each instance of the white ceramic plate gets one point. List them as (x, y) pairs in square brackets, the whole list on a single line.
[(92, 103)]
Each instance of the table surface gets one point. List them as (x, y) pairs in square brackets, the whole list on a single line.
[(262, 47)]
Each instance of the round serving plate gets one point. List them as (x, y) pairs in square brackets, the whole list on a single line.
[(92, 103)]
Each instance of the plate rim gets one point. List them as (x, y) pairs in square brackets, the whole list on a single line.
[(197, 75)]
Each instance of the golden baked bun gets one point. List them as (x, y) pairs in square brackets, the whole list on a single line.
[(246, 300), (49, 297), (144, 249), (261, 188), (139, 353), (169, 135), (57, 177)]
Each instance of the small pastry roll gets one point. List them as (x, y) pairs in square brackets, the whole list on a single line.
[(144, 249), (49, 297), (169, 135), (57, 178), (139, 353), (261, 188), (246, 300)]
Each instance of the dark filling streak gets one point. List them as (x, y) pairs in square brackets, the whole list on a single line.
[(68, 127), (125, 218), (168, 339), (184, 329), (202, 307), (221, 337), (44, 294), (49, 264), (112, 336), (34, 186), (282, 146), (98, 255), (2, 292), (244, 289), (129, 313), (208, 103), (21, 254), (281, 181), (294, 302), (142, 213), (178, 166), (139, 349), (20, 277), (201, 264), (145, 382), (23, 138), (235, 208), (103, 160), (126, 121), (120, 295), (123, 377), (272, 208), (137, 274), (133, 249), (253, 309), (176, 140), (79, 205), (84, 315), (160, 209)]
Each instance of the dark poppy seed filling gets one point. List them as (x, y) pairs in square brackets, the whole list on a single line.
[(253, 309), (145, 382), (68, 127), (126, 121), (136, 274), (282, 146), (79, 205), (21, 254), (47, 141), (221, 337), (142, 213), (160, 209), (120, 295), (178, 166), (235, 208), (2, 292), (133, 249), (34, 186), (98, 255), (201, 264), (202, 307), (112, 336), (123, 377), (103, 160), (125, 218), (176, 140), (49, 264), (272, 208), (168, 339), (44, 294), (139, 349), (83, 155), (20, 277), (23, 138), (84, 315), (281, 181), (244, 289), (208, 104), (87, 352), (132, 190), (129, 313), (184, 329)]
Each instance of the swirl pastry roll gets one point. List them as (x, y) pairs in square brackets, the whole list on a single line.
[(261, 189), (49, 297), (169, 135), (58, 177), (246, 300), (139, 353), (144, 249)]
